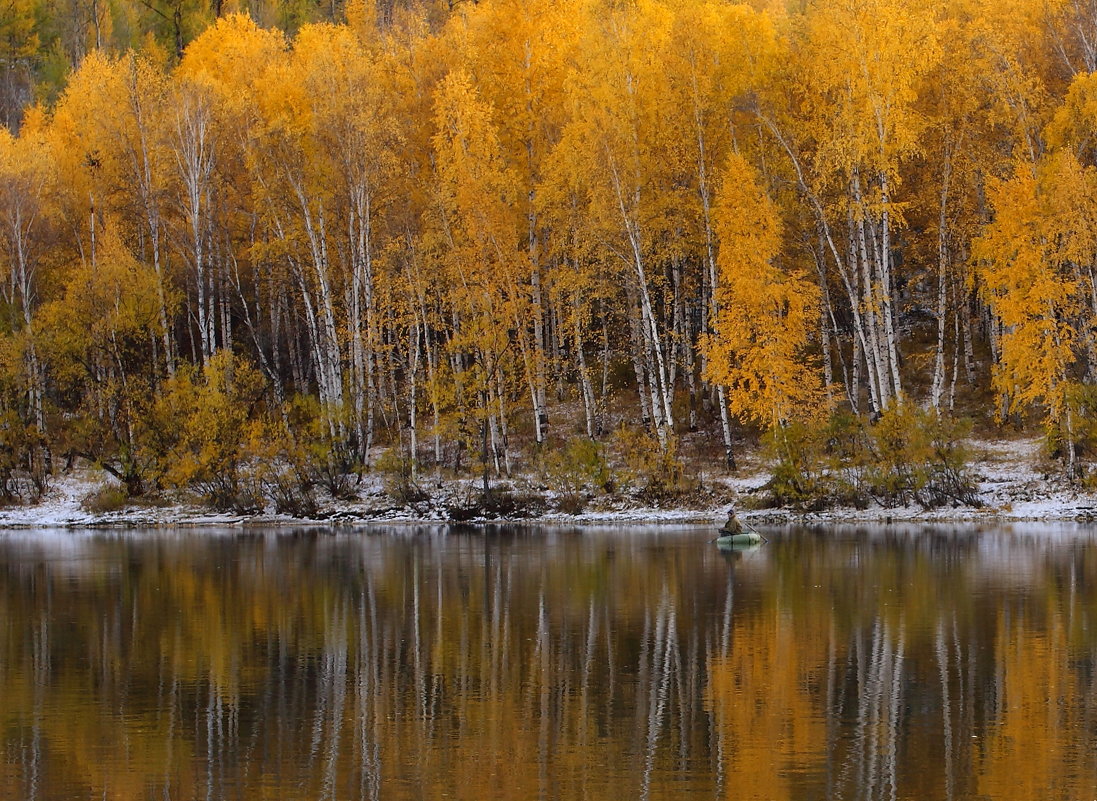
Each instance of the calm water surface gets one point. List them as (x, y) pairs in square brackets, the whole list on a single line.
[(529, 663)]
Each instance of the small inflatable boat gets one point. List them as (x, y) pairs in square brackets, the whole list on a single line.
[(745, 537)]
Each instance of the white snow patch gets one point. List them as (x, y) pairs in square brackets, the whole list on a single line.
[(1012, 485)]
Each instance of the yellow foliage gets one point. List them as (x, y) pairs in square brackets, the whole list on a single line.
[(454, 207), (202, 426), (229, 55), (759, 347), (108, 307), (863, 64), (1028, 261)]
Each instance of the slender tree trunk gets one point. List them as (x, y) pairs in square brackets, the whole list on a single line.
[(413, 399), (831, 338), (855, 381), (538, 379), (251, 325), (638, 364), (357, 220), (942, 286), (677, 321), (725, 425), (534, 250), (432, 384), (847, 269), (659, 384), (327, 345), (870, 300), (711, 309), (956, 314), (887, 288), (146, 188), (225, 299), (828, 362), (969, 340), (586, 391), (194, 156), (531, 369), (655, 361), (504, 428), (857, 301), (558, 335), (604, 393), (22, 215)]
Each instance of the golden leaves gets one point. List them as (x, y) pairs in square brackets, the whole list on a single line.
[(764, 311), (1029, 260)]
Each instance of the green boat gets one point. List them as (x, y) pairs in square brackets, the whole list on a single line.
[(744, 538)]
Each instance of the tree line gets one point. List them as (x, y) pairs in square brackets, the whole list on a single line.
[(463, 231)]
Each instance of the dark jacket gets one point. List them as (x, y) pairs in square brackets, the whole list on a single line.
[(732, 526)]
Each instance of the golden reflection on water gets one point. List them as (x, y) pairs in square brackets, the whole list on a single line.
[(559, 664)]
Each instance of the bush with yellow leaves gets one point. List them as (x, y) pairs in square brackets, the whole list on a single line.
[(204, 430)]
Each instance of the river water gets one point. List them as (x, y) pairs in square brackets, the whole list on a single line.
[(555, 663)]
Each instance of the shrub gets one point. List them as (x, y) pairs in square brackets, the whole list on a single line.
[(281, 468), (918, 456), (578, 471), (816, 464), (107, 498), (655, 473), (509, 502), (398, 473), (1081, 412), (328, 459), (202, 427), (910, 455), (24, 461), (500, 501), (290, 492)]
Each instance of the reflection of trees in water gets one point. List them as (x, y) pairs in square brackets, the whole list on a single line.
[(326, 667)]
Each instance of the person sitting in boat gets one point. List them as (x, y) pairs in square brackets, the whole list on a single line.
[(732, 526)]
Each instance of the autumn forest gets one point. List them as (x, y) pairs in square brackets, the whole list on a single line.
[(251, 249)]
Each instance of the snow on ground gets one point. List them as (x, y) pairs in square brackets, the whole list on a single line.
[(62, 508), (1013, 485)]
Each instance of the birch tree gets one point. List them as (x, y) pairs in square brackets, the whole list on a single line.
[(617, 143), (476, 195), (1035, 261), (759, 348), (862, 64), (26, 182)]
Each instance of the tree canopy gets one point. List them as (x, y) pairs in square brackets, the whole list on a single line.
[(462, 231)]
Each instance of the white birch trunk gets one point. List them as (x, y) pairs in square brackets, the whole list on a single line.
[(142, 167), (585, 387), (659, 383), (414, 357), (846, 271), (887, 290), (327, 346), (194, 155), (711, 309), (942, 287)]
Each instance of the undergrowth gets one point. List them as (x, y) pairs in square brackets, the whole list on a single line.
[(909, 456)]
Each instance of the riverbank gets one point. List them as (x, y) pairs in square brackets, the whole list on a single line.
[(1013, 485)]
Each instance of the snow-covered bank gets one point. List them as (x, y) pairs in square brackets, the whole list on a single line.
[(63, 507), (1013, 485), (1011, 488)]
